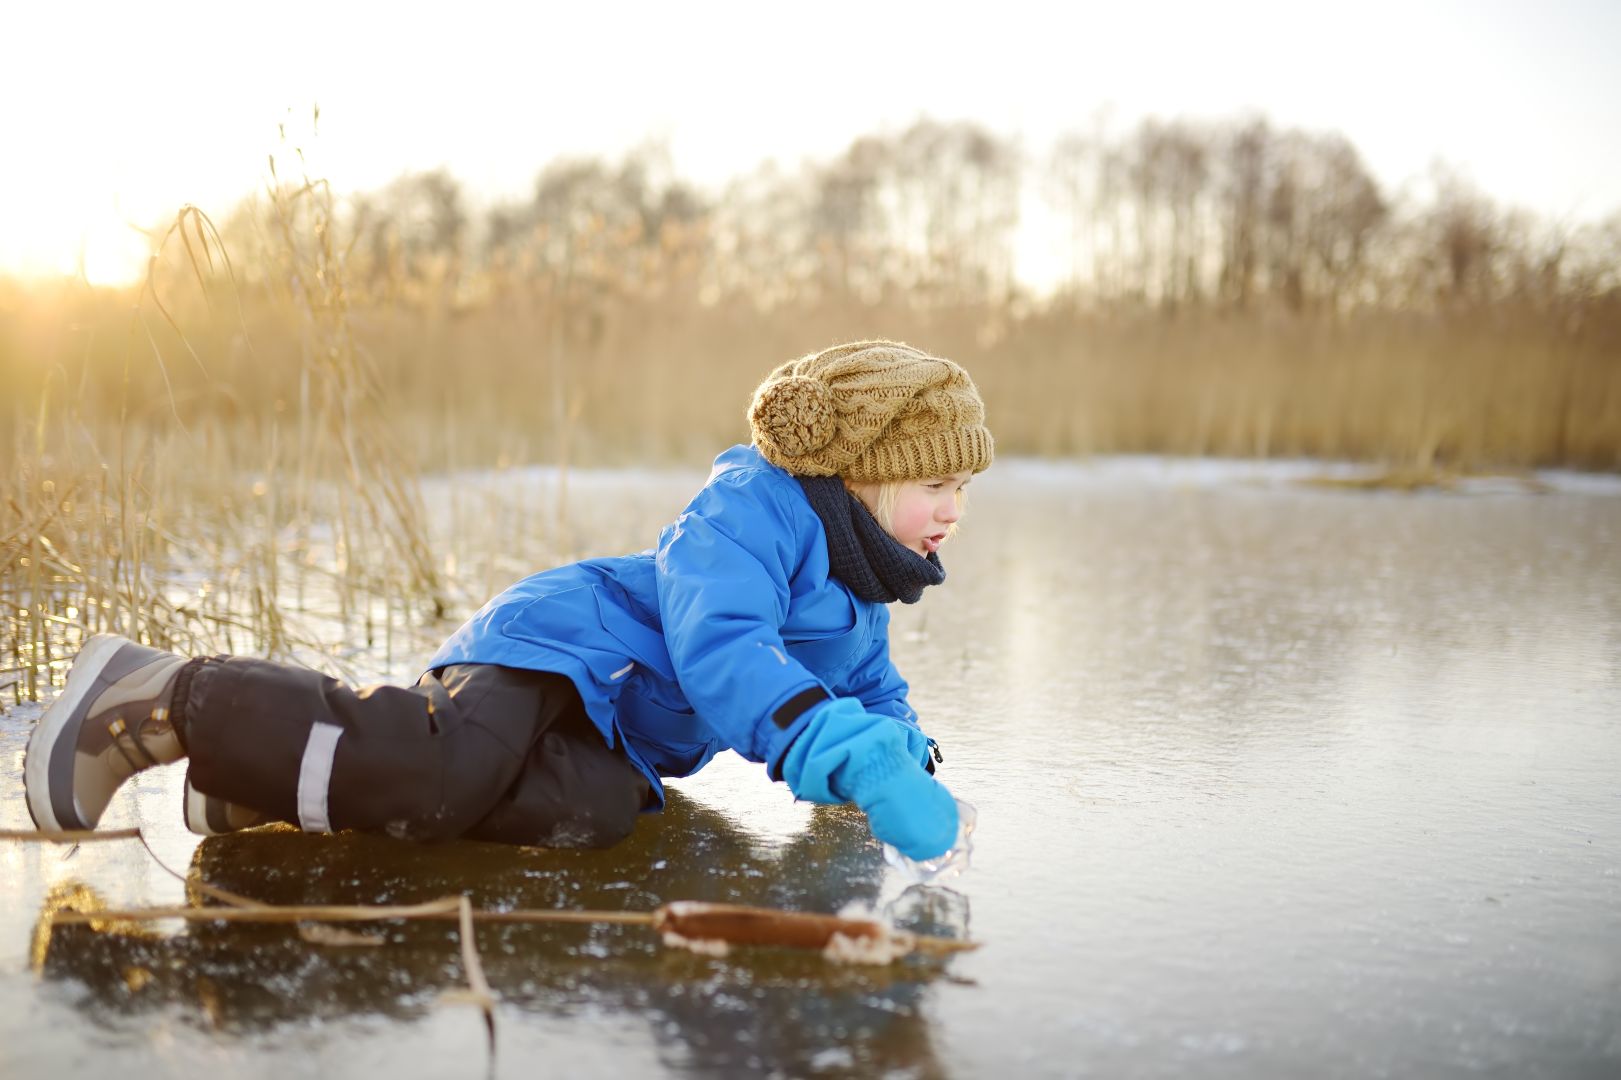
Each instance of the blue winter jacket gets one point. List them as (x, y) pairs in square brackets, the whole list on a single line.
[(727, 635)]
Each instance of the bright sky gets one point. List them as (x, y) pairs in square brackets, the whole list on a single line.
[(122, 112)]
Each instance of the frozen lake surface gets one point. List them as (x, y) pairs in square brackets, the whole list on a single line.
[(1272, 781)]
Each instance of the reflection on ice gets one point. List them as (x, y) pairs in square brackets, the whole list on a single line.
[(930, 909)]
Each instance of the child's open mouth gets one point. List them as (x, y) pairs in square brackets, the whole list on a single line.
[(931, 544)]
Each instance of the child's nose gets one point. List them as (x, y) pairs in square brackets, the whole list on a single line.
[(948, 511)]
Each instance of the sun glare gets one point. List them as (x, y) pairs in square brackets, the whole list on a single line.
[(110, 253), (72, 232)]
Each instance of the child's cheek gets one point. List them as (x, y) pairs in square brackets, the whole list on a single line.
[(912, 522)]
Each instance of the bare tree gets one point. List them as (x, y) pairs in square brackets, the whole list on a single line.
[(1246, 153)]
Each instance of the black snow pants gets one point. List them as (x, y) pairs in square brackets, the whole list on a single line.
[(475, 750)]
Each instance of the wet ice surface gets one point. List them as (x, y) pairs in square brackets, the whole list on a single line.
[(1271, 781)]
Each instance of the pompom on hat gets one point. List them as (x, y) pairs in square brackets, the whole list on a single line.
[(871, 411)]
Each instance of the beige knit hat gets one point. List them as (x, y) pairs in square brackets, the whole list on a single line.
[(871, 411)]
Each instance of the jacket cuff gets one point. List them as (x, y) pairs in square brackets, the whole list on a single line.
[(801, 703), (774, 738)]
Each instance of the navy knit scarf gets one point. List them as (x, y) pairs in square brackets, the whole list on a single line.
[(875, 565)]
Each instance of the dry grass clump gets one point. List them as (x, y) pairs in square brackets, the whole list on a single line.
[(161, 519)]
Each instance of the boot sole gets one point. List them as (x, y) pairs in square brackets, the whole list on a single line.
[(208, 816), (197, 814), (55, 737)]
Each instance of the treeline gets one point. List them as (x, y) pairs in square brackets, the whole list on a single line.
[(1223, 288), (1229, 216)]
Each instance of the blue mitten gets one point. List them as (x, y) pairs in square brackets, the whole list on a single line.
[(846, 754)]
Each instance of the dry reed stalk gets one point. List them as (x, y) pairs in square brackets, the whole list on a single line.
[(131, 555), (735, 924), (678, 922), (371, 468), (478, 987), (70, 836)]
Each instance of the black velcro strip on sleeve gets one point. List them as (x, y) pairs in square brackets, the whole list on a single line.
[(795, 707)]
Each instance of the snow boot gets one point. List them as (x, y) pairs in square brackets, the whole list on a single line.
[(111, 721)]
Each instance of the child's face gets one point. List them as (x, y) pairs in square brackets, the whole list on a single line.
[(925, 510)]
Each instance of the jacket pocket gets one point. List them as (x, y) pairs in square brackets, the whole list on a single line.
[(642, 643), (675, 742)]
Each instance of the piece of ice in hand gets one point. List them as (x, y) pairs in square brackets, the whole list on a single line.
[(941, 867)]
